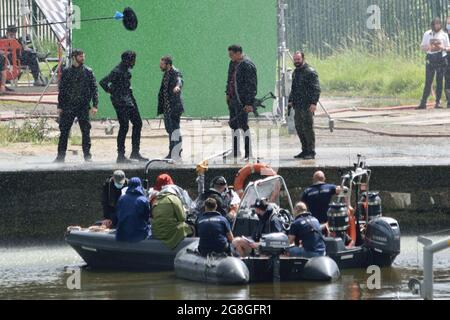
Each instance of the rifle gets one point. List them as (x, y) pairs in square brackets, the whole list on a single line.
[(259, 103)]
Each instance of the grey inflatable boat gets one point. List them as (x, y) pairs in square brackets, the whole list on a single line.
[(217, 269), (269, 266), (100, 250)]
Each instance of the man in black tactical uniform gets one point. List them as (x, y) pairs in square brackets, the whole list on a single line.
[(171, 105), (305, 95), (242, 87), (77, 88), (118, 85)]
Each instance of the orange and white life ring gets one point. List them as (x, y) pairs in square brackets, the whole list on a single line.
[(249, 169)]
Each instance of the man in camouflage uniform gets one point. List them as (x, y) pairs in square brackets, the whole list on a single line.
[(305, 95)]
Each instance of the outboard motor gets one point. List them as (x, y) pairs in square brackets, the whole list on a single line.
[(274, 244), (338, 219), (374, 209), (383, 240)]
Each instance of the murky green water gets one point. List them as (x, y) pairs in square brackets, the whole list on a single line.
[(39, 273)]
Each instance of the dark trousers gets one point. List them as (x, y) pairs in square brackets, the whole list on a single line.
[(433, 70), (125, 115), (65, 124), (239, 121), (2, 66), (447, 85), (172, 124), (29, 58), (304, 123)]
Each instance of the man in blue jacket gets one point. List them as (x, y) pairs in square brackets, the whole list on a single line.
[(305, 234), (133, 214), (214, 231)]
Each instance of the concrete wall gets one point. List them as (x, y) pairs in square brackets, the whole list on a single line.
[(40, 205)]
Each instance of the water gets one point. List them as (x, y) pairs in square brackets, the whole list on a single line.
[(39, 273)]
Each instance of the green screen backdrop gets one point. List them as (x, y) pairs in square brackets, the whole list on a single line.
[(196, 33)]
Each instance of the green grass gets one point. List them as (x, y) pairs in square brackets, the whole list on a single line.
[(373, 69), (49, 46), (359, 74), (30, 131), (45, 69), (75, 140)]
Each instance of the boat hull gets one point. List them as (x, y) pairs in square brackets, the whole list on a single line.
[(221, 269), (101, 251)]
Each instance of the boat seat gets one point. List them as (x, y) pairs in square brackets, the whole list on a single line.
[(246, 222)]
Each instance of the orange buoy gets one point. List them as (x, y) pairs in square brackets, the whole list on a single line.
[(245, 172)]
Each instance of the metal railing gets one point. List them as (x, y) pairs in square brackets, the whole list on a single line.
[(426, 287)]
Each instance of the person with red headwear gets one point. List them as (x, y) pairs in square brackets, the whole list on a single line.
[(165, 181), (162, 181), (170, 203)]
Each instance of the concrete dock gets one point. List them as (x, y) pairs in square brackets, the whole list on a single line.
[(407, 149)]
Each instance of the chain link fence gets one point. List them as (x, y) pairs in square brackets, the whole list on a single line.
[(323, 26)]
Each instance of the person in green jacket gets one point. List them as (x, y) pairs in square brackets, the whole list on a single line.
[(169, 219)]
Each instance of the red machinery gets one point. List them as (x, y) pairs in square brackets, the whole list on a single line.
[(12, 50)]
